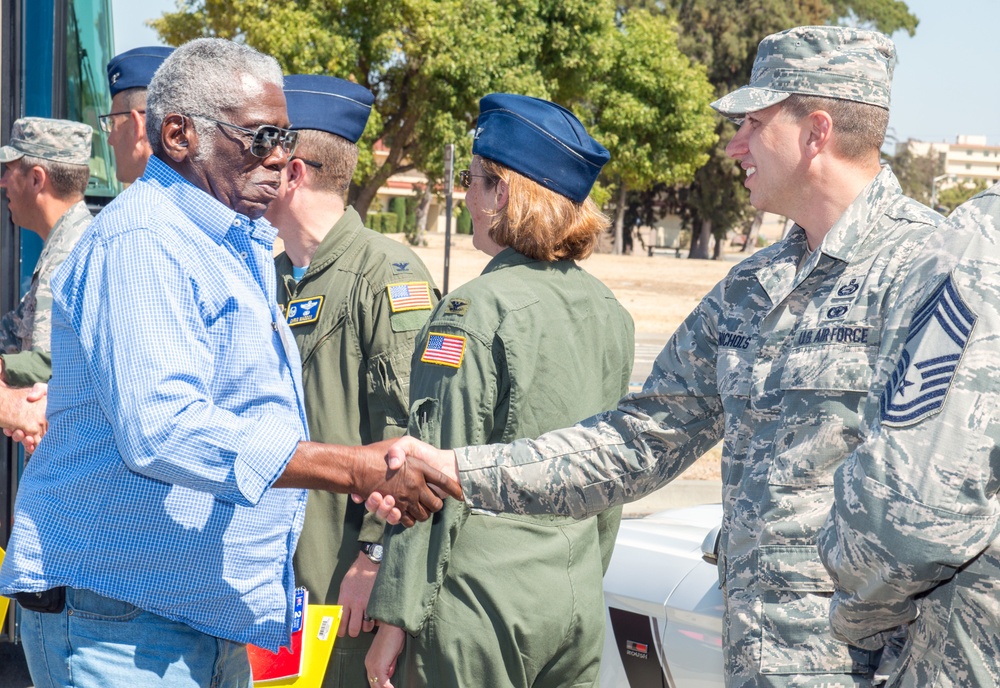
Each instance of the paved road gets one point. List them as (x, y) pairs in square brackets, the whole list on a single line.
[(647, 348)]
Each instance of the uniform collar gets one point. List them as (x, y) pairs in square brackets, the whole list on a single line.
[(338, 240), (506, 258), (861, 217)]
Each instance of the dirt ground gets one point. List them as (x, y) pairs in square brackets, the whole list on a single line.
[(658, 291)]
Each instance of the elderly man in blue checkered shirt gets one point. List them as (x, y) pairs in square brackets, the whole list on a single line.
[(148, 547)]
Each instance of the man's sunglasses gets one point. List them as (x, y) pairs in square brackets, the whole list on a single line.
[(105, 120), (265, 139)]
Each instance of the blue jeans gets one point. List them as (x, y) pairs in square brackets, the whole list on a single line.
[(98, 642)]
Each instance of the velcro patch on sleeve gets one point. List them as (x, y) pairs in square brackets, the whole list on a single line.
[(444, 349), (939, 332), (409, 296), (303, 311)]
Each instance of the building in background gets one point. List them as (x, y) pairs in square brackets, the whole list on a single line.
[(969, 159)]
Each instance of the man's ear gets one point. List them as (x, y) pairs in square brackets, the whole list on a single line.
[(138, 123), (178, 137), (296, 173), (37, 176), (818, 132)]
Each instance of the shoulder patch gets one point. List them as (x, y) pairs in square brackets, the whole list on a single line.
[(456, 306), (444, 349), (303, 311), (409, 296), (938, 334)]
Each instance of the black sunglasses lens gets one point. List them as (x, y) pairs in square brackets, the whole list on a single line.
[(267, 138)]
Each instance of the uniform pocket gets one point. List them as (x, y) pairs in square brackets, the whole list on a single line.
[(795, 593)]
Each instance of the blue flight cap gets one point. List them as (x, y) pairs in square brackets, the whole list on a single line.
[(329, 104), (135, 68), (541, 140)]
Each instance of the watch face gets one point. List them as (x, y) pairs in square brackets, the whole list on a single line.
[(374, 552)]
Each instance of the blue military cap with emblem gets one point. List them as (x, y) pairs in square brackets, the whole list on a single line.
[(541, 140), (135, 68), (329, 104)]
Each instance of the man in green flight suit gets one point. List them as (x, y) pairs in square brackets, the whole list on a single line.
[(45, 174), (355, 301)]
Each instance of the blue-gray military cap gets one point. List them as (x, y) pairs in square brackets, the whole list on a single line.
[(135, 68), (827, 61), (59, 140), (329, 104)]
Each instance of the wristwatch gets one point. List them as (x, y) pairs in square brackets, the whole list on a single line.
[(373, 551)]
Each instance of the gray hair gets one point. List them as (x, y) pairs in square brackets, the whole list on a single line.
[(210, 77)]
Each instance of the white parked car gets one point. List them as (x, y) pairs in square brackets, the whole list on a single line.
[(664, 603)]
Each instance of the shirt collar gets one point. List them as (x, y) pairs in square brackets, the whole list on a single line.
[(506, 258), (861, 217), (202, 209)]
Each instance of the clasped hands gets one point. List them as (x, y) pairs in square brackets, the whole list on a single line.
[(439, 468), (23, 414)]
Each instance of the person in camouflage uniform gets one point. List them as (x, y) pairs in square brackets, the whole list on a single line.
[(500, 359), (45, 175), (355, 301), (777, 361), (913, 539)]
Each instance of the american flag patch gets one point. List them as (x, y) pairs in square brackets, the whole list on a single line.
[(409, 296), (444, 349)]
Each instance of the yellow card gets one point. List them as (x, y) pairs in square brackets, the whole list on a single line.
[(322, 622)]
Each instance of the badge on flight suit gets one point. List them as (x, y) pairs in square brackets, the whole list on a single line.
[(303, 311), (444, 349), (409, 296)]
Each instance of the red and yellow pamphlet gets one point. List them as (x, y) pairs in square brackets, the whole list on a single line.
[(314, 628), (4, 602)]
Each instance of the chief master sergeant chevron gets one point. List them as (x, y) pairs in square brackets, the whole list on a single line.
[(914, 535), (777, 361)]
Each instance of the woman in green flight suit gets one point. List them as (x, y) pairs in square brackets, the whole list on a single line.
[(533, 344)]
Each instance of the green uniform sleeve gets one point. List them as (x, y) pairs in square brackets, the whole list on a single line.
[(27, 367), (451, 406)]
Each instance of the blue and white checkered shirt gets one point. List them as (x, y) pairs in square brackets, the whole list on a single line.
[(175, 402)]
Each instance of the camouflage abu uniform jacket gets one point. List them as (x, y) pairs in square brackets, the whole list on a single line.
[(914, 537), (355, 340), (26, 332), (777, 360)]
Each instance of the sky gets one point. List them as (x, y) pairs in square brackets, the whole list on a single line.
[(942, 86)]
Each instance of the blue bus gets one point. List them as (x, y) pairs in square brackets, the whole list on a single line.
[(52, 64)]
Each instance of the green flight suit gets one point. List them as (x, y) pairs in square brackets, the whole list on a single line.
[(528, 346), (355, 376)]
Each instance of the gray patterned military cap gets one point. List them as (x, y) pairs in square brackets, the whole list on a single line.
[(59, 140), (827, 61)]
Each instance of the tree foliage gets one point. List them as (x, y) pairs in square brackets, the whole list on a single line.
[(650, 110), (953, 196), (915, 172), (427, 61), (723, 35)]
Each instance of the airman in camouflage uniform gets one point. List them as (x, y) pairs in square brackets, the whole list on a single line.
[(355, 301), (55, 149), (914, 536), (777, 361)]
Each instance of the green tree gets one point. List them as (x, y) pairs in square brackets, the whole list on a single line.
[(723, 35), (954, 196), (915, 172), (427, 61), (650, 111), (463, 225), (398, 207)]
